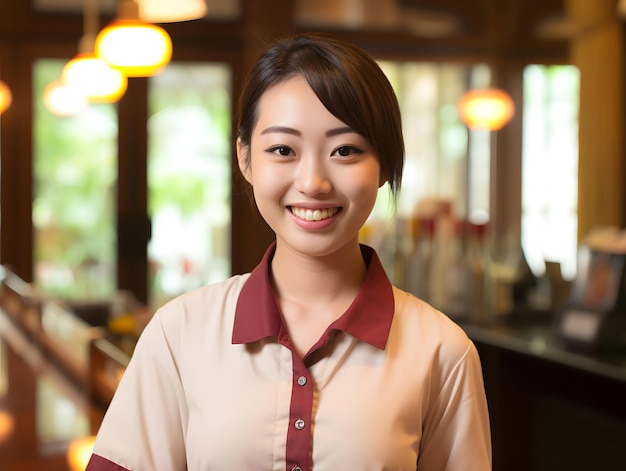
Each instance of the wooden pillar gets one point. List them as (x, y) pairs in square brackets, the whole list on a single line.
[(133, 226), (597, 49), (16, 181), (262, 22), (505, 186)]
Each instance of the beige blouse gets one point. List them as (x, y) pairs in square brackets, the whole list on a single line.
[(215, 385)]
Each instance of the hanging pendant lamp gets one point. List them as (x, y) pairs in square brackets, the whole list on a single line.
[(6, 97), (88, 74), (63, 100), (488, 109), (167, 11), (94, 78), (132, 46)]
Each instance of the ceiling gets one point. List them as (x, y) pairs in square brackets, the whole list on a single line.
[(513, 17), (435, 18), (216, 8), (441, 18)]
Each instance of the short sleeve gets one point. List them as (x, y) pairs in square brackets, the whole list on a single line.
[(143, 426), (456, 434)]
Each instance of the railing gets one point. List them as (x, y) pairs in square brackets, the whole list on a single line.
[(83, 351)]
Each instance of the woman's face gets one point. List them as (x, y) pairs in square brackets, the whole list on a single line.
[(314, 179)]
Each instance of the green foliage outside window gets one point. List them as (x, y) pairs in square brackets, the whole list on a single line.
[(74, 171)]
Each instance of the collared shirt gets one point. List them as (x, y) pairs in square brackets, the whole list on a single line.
[(215, 384)]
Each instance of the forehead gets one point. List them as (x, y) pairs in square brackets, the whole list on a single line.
[(292, 102)]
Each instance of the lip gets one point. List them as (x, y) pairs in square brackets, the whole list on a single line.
[(311, 223)]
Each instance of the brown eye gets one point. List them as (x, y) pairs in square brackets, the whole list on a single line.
[(345, 151), (281, 150)]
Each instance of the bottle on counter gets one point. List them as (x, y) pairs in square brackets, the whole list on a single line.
[(508, 278), (420, 257), (446, 273), (476, 253), (454, 278)]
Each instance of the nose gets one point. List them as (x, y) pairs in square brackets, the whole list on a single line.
[(312, 177)]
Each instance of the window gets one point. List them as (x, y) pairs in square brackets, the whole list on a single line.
[(75, 176), (550, 167), (75, 171), (189, 174), (435, 138)]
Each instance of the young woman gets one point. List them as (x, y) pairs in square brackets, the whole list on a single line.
[(313, 361)]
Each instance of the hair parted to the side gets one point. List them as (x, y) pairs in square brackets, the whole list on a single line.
[(348, 82)]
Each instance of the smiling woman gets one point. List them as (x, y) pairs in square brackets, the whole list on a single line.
[(315, 345)]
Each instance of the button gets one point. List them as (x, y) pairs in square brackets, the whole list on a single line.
[(299, 424), (296, 468), (302, 380)]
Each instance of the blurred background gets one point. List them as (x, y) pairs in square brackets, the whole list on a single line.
[(119, 191)]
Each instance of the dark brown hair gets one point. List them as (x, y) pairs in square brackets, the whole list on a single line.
[(348, 82)]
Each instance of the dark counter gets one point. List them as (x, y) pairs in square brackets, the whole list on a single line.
[(552, 408)]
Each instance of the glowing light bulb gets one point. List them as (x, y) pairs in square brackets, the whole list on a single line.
[(79, 451), (63, 100), (488, 109), (135, 48), (7, 425), (94, 78), (6, 97)]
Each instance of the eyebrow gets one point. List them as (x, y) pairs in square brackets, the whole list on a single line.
[(295, 132)]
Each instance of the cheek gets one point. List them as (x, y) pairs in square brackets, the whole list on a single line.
[(366, 180), (268, 182), (262, 175), (368, 197), (363, 188)]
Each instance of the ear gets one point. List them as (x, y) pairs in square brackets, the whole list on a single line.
[(243, 160)]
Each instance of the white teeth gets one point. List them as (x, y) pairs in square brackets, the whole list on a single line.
[(314, 214)]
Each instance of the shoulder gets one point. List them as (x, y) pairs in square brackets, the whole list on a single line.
[(217, 297), (418, 325), (206, 309)]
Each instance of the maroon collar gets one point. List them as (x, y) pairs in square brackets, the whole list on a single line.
[(368, 318)]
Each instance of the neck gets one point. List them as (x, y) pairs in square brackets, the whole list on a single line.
[(319, 279)]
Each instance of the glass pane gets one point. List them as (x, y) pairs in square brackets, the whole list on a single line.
[(75, 170), (189, 175), (549, 148)]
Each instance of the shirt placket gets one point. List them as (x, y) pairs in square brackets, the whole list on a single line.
[(299, 433)]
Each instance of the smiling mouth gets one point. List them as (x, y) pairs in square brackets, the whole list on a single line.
[(313, 214)]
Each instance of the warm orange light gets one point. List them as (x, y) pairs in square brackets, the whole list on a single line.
[(94, 78), (6, 98), (7, 425), (135, 48), (63, 100), (488, 109), (79, 451)]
